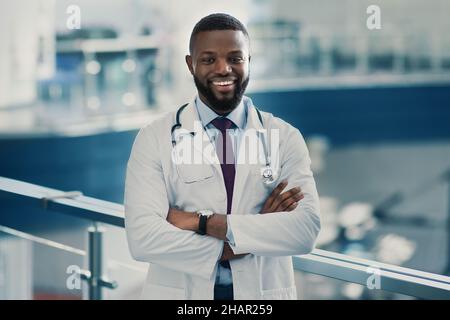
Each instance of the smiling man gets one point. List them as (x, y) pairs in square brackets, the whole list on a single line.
[(222, 229), (219, 62)]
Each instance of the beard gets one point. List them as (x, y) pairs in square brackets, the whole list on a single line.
[(223, 104)]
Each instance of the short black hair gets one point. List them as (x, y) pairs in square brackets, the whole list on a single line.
[(216, 21)]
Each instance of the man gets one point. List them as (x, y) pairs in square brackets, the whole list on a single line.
[(227, 229)]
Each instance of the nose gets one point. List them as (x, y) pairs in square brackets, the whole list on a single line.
[(222, 67)]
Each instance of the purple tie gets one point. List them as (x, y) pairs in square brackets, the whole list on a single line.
[(225, 154)]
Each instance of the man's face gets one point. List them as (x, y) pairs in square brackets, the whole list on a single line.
[(220, 66)]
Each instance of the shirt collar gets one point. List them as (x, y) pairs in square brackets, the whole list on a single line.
[(206, 114)]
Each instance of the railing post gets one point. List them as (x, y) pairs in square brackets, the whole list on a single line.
[(95, 253), (94, 276)]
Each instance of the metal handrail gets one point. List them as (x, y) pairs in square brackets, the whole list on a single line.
[(334, 265)]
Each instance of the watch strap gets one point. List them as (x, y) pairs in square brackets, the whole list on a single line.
[(202, 224)]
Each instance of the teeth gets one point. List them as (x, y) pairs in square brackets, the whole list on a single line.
[(222, 83)]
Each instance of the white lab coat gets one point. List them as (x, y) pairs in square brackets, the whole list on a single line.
[(183, 264)]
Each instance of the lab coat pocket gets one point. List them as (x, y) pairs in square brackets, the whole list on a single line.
[(192, 164), (159, 292), (190, 173)]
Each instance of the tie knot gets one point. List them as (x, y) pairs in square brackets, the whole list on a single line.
[(222, 123)]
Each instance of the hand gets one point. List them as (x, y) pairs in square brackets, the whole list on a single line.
[(277, 202), (286, 201), (227, 253), (182, 219)]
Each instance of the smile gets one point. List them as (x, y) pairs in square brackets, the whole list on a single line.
[(225, 86), (223, 83)]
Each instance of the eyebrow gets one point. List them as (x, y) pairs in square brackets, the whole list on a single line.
[(231, 52)]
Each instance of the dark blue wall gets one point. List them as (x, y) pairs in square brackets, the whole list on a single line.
[(93, 164), (364, 115)]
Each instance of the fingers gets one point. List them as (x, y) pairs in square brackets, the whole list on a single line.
[(273, 196), (228, 254), (286, 201), (292, 206), (290, 194), (291, 201), (277, 191)]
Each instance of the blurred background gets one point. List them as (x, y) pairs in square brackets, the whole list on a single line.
[(373, 105)]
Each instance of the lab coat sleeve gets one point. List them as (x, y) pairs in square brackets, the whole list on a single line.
[(229, 234), (283, 233), (151, 238)]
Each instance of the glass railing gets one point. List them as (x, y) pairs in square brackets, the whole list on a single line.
[(69, 246)]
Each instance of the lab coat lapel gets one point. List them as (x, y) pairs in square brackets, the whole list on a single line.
[(243, 168)]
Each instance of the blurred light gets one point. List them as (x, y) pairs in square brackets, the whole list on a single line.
[(352, 291), (129, 99), (356, 213), (128, 65), (93, 103), (357, 219), (93, 67), (394, 249)]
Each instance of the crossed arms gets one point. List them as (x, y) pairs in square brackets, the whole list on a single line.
[(216, 225), (157, 233)]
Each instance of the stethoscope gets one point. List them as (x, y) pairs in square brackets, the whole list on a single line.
[(266, 173)]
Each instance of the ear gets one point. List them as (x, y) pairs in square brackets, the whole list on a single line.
[(188, 59)]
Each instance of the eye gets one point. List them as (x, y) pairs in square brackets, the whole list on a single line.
[(237, 59), (207, 60)]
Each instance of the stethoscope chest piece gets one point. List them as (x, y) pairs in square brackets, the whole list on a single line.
[(267, 174)]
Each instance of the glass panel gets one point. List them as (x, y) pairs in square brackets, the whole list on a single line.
[(55, 275), (312, 286), (121, 267), (34, 271)]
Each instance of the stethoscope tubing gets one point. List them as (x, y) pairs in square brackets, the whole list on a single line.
[(177, 125)]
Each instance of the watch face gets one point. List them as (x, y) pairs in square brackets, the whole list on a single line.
[(206, 213)]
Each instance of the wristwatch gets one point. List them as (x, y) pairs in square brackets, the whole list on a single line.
[(204, 215)]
